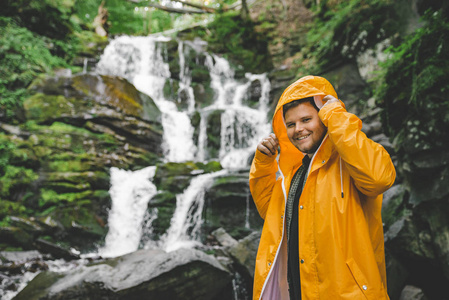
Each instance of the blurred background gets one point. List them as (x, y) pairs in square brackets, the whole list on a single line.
[(127, 129)]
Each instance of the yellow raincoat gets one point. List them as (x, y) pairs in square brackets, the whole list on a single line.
[(341, 242)]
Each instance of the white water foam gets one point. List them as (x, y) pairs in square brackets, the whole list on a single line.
[(130, 193)]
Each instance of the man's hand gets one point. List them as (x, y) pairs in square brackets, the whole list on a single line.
[(269, 145), (320, 101)]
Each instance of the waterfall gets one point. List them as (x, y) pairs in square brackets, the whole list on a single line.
[(144, 62), (186, 222), (130, 193), (141, 61)]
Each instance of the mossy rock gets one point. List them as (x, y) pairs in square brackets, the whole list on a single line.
[(195, 120), (175, 177), (115, 91), (253, 95), (170, 89), (165, 203), (43, 108), (82, 226), (214, 133), (86, 95), (204, 94), (200, 75), (91, 44), (230, 205)]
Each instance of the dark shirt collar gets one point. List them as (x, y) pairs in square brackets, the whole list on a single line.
[(306, 160)]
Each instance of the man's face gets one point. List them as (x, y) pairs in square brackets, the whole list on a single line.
[(304, 128)]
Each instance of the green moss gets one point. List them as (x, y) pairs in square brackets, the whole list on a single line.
[(50, 197), (15, 178), (61, 137), (8, 208), (414, 87), (42, 108), (211, 166), (68, 166)]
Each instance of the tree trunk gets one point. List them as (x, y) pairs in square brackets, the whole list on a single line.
[(244, 12), (100, 22)]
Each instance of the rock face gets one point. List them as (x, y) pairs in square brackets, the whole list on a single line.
[(111, 104), (229, 205), (145, 274), (58, 162)]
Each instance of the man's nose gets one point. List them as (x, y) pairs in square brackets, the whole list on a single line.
[(299, 127)]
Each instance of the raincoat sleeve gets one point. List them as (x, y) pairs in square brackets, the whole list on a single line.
[(262, 178), (368, 163)]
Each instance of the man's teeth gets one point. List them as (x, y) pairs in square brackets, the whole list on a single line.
[(303, 137)]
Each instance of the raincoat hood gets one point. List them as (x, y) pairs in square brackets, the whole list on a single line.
[(304, 87)]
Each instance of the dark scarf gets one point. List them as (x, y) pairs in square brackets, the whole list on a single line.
[(294, 194)]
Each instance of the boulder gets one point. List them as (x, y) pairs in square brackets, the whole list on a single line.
[(397, 275), (144, 274), (228, 204), (349, 85), (111, 102), (412, 293), (254, 93), (245, 251), (223, 238)]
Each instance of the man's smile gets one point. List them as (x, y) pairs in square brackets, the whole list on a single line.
[(303, 137)]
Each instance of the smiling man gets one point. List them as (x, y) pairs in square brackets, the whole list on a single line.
[(320, 200)]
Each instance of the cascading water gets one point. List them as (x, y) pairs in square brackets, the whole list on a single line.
[(130, 193), (143, 61), (186, 222)]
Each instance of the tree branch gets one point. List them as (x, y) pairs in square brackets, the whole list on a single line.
[(200, 9)]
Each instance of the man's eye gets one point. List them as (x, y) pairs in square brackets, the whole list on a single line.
[(306, 120), (290, 125)]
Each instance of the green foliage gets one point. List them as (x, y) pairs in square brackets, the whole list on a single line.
[(414, 86), (6, 151), (126, 17), (343, 29), (237, 40), (8, 208), (23, 55), (15, 178), (50, 18)]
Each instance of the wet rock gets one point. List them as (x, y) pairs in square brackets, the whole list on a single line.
[(109, 101), (428, 177), (229, 205), (419, 241), (348, 84), (224, 238), (149, 274), (55, 250), (175, 177), (408, 238), (20, 256), (397, 275), (412, 293), (245, 251), (254, 93), (19, 262), (373, 128), (165, 204)]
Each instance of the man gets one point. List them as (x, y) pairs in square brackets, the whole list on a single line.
[(320, 201)]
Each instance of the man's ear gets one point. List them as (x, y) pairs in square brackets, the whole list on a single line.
[(318, 101)]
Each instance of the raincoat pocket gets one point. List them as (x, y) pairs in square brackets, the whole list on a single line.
[(360, 279)]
